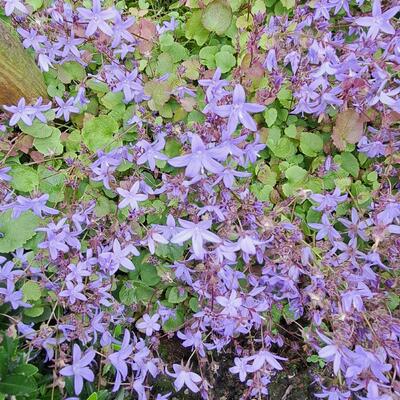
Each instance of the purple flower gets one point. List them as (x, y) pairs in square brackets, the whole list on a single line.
[(129, 84), (333, 394), (215, 87), (231, 304), (362, 360), (328, 202), (78, 271), (37, 205), (69, 45), (38, 109), (6, 271), (20, 112), (13, 296), (118, 358), (149, 324), (198, 233), (151, 152), (31, 38), (373, 393), (3, 174), (11, 5), (73, 292), (167, 26), (355, 226), (352, 299), (193, 340), (241, 367), (79, 368), (371, 149), (183, 376), (379, 21), (265, 357), (239, 111), (331, 352), (131, 197), (325, 229), (270, 62), (96, 18), (120, 30), (199, 159), (120, 255), (65, 107)]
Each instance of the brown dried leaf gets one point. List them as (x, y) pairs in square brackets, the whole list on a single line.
[(37, 156), (188, 103), (24, 144), (349, 128), (145, 32)]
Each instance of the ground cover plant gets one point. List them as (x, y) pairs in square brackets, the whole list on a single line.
[(207, 193)]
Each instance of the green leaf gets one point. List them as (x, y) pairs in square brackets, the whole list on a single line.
[(176, 295), (291, 131), (172, 148), (52, 182), (266, 176), (288, 4), (177, 52), (295, 174), (18, 385), (148, 274), (310, 144), (195, 29), (70, 71), (350, 164), (394, 301), (173, 324), (104, 206), (26, 369), (37, 129), (225, 61), (127, 293), (51, 145), (170, 252), (217, 17), (285, 148), (194, 304), (207, 56), (112, 100), (36, 4), (165, 64), (159, 91), (25, 178), (34, 312), (93, 396), (270, 115), (98, 132), (31, 290), (16, 232)]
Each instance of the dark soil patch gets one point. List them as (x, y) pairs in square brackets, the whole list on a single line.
[(293, 383)]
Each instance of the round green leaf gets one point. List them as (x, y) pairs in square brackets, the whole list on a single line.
[(217, 17), (98, 132), (24, 178), (225, 61), (50, 145), (16, 232), (295, 174)]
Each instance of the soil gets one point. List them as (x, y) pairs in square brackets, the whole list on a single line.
[(293, 383)]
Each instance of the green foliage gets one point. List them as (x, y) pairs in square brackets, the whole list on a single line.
[(16, 232), (24, 178), (98, 133), (217, 17)]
